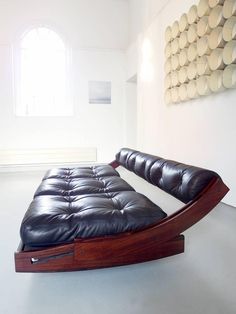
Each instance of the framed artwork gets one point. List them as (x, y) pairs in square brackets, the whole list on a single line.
[(99, 92)]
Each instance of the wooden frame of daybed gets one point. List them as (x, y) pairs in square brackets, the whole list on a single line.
[(157, 241)]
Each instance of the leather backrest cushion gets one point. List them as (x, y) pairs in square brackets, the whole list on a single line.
[(123, 157), (182, 181)]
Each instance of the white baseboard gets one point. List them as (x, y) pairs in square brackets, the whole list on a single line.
[(42, 167), (46, 158)]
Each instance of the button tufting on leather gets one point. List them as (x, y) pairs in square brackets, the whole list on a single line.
[(86, 206), (167, 174)]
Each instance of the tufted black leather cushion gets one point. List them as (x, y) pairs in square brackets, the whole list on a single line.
[(81, 172), (78, 186), (56, 219), (180, 180), (85, 202)]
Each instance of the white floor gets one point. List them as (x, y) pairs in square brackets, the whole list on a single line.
[(202, 280)]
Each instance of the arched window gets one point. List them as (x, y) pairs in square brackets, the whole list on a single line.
[(42, 75)]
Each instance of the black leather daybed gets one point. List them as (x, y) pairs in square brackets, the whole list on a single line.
[(89, 217)]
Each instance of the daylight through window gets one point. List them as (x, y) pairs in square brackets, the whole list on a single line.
[(42, 75)]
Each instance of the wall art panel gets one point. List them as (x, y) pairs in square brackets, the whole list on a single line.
[(183, 23), (203, 27), (216, 81), (229, 8), (200, 51), (192, 15), (229, 76), (229, 29)]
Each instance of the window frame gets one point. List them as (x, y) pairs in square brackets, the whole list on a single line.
[(16, 64)]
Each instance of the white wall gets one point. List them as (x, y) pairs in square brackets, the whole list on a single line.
[(132, 60), (142, 12), (201, 132), (131, 113), (96, 32), (90, 23)]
